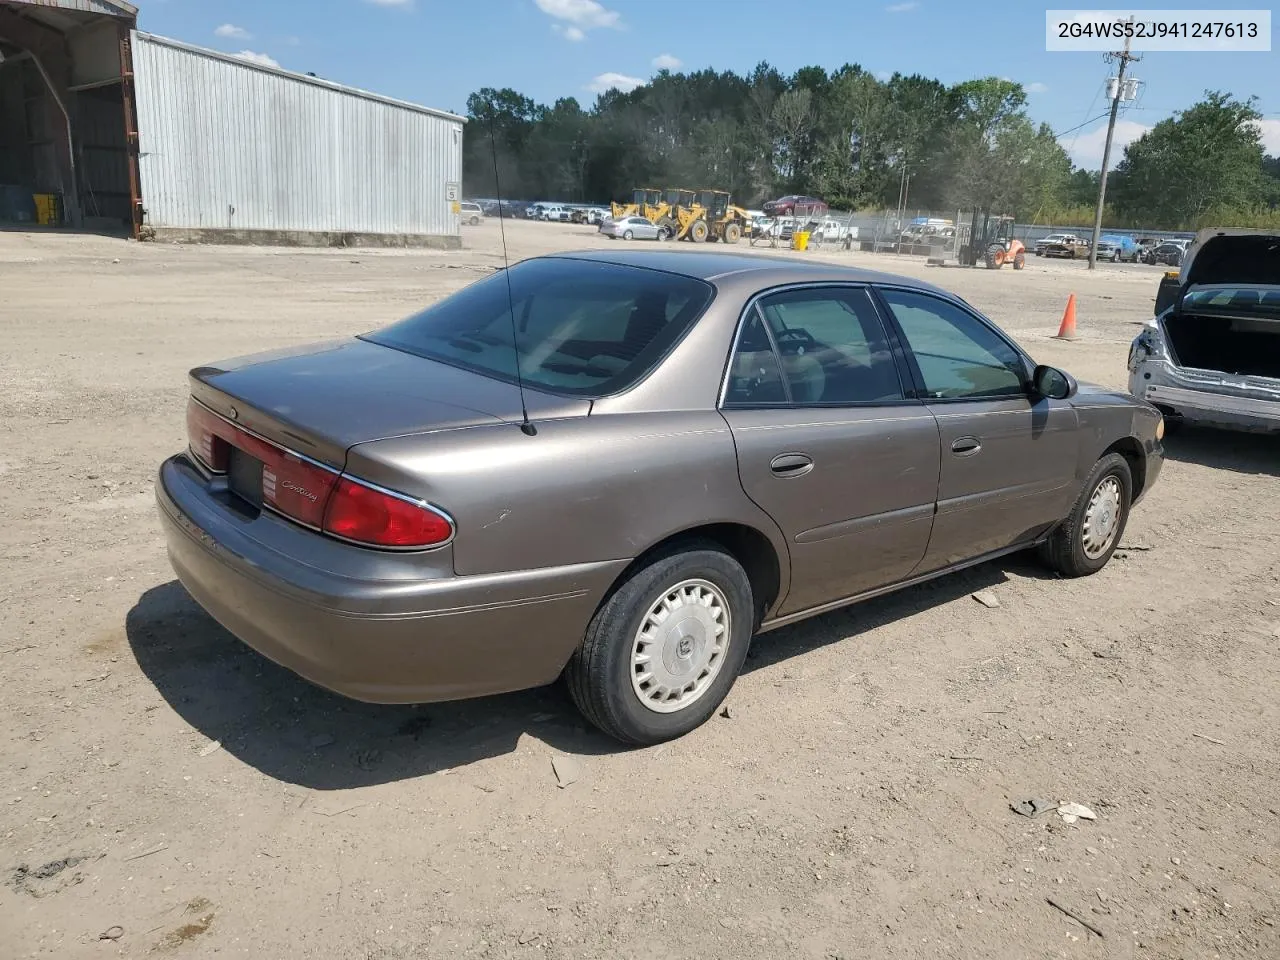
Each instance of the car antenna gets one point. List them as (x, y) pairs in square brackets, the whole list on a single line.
[(527, 428)]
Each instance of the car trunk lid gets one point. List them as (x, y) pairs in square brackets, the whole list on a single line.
[(1242, 257), (322, 399)]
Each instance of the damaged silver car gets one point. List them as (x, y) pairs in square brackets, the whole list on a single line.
[(1211, 355)]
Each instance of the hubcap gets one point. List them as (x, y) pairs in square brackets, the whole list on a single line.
[(1101, 518), (680, 646)]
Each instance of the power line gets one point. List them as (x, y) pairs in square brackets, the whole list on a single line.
[(1059, 136)]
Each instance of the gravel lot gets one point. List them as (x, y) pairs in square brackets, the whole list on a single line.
[(857, 803)]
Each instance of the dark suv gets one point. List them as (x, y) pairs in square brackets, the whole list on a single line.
[(795, 206)]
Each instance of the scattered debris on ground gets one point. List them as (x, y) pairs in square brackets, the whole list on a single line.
[(1071, 812), (567, 770), (30, 880), (1032, 808)]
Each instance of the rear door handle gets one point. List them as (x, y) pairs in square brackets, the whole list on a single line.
[(966, 446), (791, 465)]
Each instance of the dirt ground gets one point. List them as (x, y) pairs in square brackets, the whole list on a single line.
[(167, 788)]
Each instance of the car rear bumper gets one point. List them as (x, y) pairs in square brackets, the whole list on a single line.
[(378, 640), (1211, 405)]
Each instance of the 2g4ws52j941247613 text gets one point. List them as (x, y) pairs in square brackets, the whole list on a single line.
[(1231, 31)]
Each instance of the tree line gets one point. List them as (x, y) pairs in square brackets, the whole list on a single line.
[(860, 142)]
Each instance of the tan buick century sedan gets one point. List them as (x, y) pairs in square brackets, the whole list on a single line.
[(619, 468)]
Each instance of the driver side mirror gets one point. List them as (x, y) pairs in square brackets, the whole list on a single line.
[(1053, 384)]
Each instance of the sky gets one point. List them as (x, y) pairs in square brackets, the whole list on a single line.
[(437, 52)]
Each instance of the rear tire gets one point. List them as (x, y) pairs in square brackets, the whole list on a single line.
[(1019, 261), (1085, 541), (628, 235), (665, 614)]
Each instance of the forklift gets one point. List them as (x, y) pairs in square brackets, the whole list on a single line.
[(992, 243)]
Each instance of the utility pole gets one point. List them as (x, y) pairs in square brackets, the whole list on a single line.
[(1123, 58)]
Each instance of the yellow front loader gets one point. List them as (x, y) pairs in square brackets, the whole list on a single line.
[(709, 215), (645, 202)]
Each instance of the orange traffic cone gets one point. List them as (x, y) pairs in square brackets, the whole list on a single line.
[(1068, 329)]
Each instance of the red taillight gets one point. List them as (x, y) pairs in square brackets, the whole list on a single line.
[(203, 434), (366, 515), (316, 495)]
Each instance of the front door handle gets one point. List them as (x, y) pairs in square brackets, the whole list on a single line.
[(966, 446), (791, 465)]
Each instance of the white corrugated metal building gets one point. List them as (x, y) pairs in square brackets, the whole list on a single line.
[(213, 147), (230, 146)]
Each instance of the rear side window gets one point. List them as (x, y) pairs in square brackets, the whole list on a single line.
[(755, 378), (583, 328), (831, 349)]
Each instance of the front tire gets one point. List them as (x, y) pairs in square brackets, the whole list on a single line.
[(1019, 261), (1085, 541), (628, 235), (662, 652)]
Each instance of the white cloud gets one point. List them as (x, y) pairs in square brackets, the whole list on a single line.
[(609, 81), (231, 31), (261, 58), (901, 7), (578, 17), (665, 61), (1036, 87), (1270, 130), (883, 76), (1088, 147)]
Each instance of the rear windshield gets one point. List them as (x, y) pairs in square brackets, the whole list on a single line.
[(1239, 301), (583, 328)]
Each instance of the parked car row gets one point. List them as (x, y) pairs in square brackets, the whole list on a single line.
[(541, 210), (1116, 248)]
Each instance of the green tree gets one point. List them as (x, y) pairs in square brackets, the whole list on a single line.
[(999, 161), (1204, 159), (849, 137)]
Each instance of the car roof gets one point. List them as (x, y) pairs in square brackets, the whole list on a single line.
[(767, 270)]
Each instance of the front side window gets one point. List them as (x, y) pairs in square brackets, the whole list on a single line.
[(959, 356), (582, 328)]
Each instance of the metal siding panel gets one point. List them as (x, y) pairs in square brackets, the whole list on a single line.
[(226, 145)]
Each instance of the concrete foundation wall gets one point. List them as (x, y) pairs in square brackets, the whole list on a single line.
[(301, 238)]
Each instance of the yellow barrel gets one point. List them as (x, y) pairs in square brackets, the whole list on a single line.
[(46, 209), (800, 240)]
